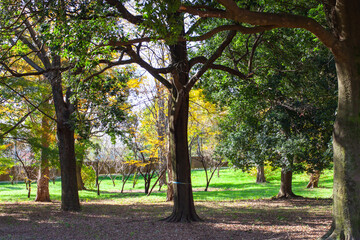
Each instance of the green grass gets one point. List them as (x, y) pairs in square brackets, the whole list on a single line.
[(231, 185)]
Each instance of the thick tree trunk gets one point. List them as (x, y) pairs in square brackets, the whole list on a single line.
[(346, 142), (286, 184), (184, 209), (344, 19), (260, 176), (66, 142), (42, 194)]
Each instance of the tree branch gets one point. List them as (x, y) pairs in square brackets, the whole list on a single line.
[(27, 100), (125, 13), (203, 59), (153, 71), (209, 62), (23, 118), (278, 20)]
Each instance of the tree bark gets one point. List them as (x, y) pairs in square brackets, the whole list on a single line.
[(80, 183), (260, 176), (314, 180), (170, 189), (346, 142), (184, 208), (344, 18), (286, 184), (66, 142), (43, 194)]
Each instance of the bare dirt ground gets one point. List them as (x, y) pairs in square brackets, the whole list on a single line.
[(257, 219)]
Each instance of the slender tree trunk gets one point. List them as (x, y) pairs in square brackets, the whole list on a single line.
[(314, 180), (161, 129), (43, 194), (66, 142), (170, 188), (260, 176), (80, 183), (286, 184)]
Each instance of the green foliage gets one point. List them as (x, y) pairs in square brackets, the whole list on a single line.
[(284, 112), (88, 176)]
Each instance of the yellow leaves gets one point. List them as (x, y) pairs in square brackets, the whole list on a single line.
[(112, 100), (138, 163), (134, 83), (3, 147)]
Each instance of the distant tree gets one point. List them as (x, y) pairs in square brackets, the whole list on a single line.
[(276, 116)]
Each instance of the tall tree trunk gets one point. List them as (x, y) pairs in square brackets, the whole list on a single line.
[(260, 176), (66, 142), (344, 18), (161, 129), (346, 142), (286, 184), (42, 194), (170, 187), (184, 209)]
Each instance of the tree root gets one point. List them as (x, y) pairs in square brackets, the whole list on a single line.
[(334, 234), (181, 217)]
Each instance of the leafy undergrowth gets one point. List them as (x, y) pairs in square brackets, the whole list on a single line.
[(107, 219), (230, 185)]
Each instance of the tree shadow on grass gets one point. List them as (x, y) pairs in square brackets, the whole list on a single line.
[(258, 219)]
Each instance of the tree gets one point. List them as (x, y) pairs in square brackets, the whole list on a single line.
[(34, 128), (162, 22), (284, 113), (203, 133), (36, 38), (342, 39)]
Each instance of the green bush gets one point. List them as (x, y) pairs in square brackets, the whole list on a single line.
[(88, 176)]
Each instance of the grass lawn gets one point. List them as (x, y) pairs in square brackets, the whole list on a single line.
[(230, 186)]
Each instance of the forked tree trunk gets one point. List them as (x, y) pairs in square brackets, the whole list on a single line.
[(43, 194), (184, 209), (260, 176), (66, 142), (286, 184), (314, 180)]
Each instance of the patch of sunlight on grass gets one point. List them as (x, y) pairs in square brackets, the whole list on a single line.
[(230, 185)]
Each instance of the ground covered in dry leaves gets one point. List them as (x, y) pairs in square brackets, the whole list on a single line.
[(251, 219)]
